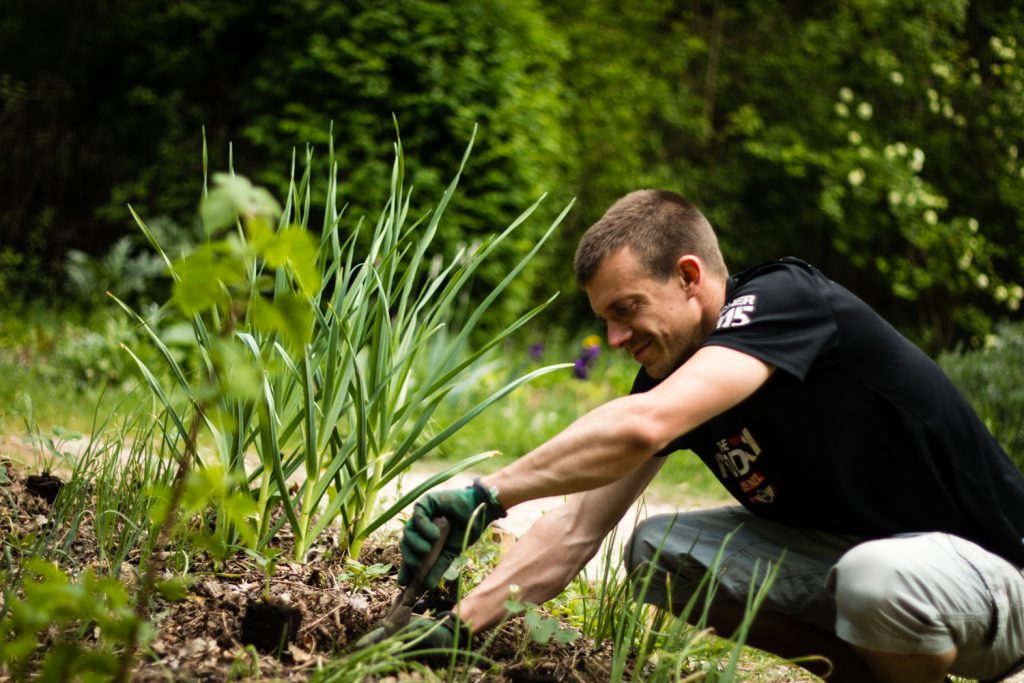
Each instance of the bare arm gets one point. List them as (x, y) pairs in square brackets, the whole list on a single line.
[(554, 550), (615, 438)]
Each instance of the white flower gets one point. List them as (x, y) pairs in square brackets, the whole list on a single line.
[(930, 217), (854, 137), (965, 261), (1017, 291), (842, 110), (1001, 293), (864, 110), (895, 198), (855, 177), (972, 224), (917, 160), (845, 94), (896, 77), (941, 70), (982, 280), (889, 152), (901, 148)]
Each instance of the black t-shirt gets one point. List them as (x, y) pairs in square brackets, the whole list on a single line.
[(858, 431)]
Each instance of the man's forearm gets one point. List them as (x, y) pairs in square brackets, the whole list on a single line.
[(530, 565), (601, 447)]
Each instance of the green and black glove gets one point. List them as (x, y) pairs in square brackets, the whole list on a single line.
[(469, 511)]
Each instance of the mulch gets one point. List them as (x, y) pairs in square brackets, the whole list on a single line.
[(200, 638)]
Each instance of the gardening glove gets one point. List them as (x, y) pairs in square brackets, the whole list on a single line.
[(469, 511)]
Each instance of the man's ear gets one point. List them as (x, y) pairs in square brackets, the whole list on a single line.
[(690, 272)]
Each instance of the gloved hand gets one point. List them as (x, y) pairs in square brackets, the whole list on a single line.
[(445, 631), (469, 511)]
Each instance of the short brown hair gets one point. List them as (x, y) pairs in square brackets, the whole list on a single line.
[(659, 226)]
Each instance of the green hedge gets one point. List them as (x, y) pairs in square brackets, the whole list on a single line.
[(990, 379)]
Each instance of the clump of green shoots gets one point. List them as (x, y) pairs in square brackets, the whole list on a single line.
[(323, 357)]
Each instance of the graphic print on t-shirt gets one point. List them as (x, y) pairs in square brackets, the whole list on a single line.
[(736, 457), (737, 312)]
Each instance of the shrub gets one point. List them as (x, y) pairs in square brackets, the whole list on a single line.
[(990, 379)]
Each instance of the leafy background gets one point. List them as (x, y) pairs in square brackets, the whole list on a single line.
[(876, 139)]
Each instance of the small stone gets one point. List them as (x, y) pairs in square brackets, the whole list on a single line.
[(298, 654), (359, 603)]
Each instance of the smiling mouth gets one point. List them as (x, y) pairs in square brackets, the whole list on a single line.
[(640, 349)]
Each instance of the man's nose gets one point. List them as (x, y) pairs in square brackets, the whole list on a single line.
[(618, 335)]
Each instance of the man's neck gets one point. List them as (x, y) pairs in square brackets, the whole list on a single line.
[(713, 305)]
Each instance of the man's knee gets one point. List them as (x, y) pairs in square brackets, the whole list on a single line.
[(866, 583), (885, 601)]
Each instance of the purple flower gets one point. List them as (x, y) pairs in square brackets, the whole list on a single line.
[(537, 350), (590, 353), (579, 368)]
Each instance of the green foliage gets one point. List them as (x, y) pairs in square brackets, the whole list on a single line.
[(990, 380), (861, 173), (128, 268), (49, 602), (272, 78), (360, 576), (325, 356), (889, 110), (540, 629)]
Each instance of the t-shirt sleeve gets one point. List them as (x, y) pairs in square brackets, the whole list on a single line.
[(779, 315)]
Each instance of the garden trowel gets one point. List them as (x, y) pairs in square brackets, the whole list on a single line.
[(401, 609)]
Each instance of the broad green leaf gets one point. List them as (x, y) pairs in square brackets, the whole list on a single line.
[(295, 248), (289, 314)]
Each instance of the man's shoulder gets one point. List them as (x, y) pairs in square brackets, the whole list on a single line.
[(787, 264)]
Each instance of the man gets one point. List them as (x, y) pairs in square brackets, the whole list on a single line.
[(901, 518)]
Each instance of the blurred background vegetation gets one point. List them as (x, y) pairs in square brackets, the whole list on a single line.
[(877, 139)]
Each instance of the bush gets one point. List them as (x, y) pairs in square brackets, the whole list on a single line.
[(990, 379)]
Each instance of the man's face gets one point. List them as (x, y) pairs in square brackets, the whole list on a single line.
[(658, 322)]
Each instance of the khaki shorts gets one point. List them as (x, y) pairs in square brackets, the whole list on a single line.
[(909, 594)]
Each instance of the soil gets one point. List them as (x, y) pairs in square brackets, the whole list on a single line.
[(220, 630), (318, 614)]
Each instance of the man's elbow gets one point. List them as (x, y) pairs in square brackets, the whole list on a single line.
[(642, 433), (646, 430)]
